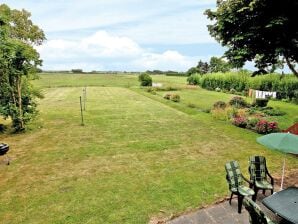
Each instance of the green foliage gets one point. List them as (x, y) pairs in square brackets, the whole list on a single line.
[(219, 65), (285, 86), (79, 71), (145, 79), (238, 102), (194, 79), (269, 111), (18, 65), (261, 102), (252, 123), (261, 30), (201, 68)]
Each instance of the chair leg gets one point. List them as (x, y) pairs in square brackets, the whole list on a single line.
[(230, 201), (254, 197), (264, 191), (240, 200)]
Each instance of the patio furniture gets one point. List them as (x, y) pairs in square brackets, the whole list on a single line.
[(236, 180), (284, 204), (259, 175), (256, 215)]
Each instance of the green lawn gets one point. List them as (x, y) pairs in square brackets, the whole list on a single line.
[(137, 156)]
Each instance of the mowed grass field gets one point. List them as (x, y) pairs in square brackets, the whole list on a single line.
[(137, 157)]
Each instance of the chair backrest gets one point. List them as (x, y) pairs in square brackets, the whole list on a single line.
[(256, 215), (257, 168), (234, 176)]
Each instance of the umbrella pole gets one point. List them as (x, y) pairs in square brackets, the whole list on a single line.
[(283, 174)]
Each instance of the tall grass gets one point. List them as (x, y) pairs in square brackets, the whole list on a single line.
[(286, 86)]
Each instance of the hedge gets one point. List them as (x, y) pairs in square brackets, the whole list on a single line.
[(286, 86)]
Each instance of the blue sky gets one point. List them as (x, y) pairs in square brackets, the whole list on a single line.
[(131, 35)]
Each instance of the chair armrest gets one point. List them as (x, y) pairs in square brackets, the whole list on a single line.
[(248, 181), (272, 180)]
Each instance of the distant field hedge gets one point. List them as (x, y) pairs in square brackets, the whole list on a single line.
[(286, 86)]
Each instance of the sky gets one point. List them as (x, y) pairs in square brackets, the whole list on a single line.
[(122, 35)]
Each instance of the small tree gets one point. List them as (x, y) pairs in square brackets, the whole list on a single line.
[(18, 64), (219, 65), (145, 79)]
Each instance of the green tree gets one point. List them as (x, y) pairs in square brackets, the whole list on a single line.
[(257, 30), (18, 64), (202, 67), (145, 79), (219, 65)]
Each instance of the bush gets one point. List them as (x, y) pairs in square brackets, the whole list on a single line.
[(273, 112), (175, 98), (145, 79), (232, 91), (261, 102), (266, 127), (220, 104), (252, 123), (151, 90), (193, 79), (284, 86), (240, 121), (238, 102), (167, 96)]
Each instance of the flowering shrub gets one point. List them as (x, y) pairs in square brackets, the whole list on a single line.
[(265, 127), (240, 122), (252, 123)]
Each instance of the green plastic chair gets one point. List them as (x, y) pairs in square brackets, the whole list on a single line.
[(259, 175), (256, 215), (236, 180)]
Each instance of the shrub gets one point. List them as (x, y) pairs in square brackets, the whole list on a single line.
[(193, 79), (232, 91), (266, 127), (175, 98), (167, 96), (240, 121), (252, 122), (273, 112), (220, 104), (238, 102), (285, 86), (145, 79), (261, 102)]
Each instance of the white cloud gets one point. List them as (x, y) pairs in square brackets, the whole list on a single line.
[(100, 44), (104, 51), (169, 60)]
